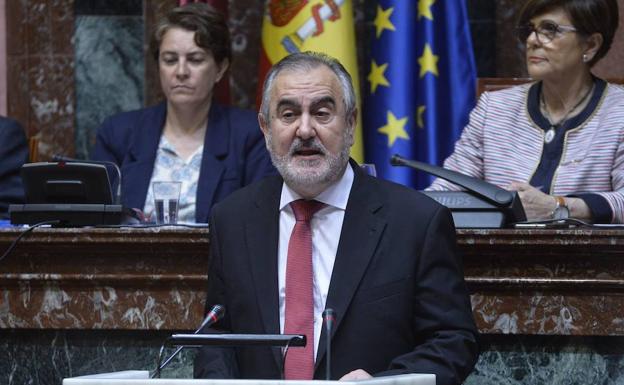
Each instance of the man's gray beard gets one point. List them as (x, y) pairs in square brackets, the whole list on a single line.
[(315, 173)]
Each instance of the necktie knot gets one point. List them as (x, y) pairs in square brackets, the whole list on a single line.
[(304, 210)]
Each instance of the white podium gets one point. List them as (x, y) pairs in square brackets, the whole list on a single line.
[(141, 377)]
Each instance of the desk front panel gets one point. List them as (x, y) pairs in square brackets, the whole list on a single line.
[(562, 282)]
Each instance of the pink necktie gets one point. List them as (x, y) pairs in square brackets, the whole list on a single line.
[(299, 302)]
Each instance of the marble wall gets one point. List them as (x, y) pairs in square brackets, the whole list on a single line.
[(553, 360), (109, 64), (40, 71), (46, 357)]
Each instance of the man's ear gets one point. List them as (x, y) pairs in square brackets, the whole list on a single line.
[(264, 126), (352, 122)]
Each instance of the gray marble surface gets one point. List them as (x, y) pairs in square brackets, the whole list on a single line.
[(553, 360), (45, 357), (109, 72)]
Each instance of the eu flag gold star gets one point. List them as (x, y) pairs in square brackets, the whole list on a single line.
[(420, 121), (376, 76), (394, 128), (382, 20), (424, 9), (428, 62)]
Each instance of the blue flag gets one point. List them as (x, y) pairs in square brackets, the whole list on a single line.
[(420, 86)]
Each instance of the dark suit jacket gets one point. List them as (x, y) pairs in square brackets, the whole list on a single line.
[(397, 286), (234, 153), (13, 154)]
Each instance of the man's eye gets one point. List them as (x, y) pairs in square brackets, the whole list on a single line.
[(288, 116), (323, 115)]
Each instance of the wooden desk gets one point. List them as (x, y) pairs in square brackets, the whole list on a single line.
[(104, 279), (522, 282), (567, 282)]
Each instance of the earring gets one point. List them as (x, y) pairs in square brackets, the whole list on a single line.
[(585, 58)]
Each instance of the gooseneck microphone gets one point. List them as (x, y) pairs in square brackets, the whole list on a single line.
[(215, 314), (62, 158), (329, 316), (492, 193)]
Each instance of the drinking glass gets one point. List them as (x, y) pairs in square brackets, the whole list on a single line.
[(166, 201)]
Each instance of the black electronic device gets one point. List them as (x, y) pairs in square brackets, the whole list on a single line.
[(75, 193), (483, 205), (66, 182), (284, 341), (197, 340)]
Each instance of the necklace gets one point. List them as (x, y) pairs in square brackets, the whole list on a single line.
[(550, 134)]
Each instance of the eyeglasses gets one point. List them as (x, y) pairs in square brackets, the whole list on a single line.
[(545, 32)]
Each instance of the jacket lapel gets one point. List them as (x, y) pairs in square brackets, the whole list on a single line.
[(361, 222), (262, 235), (138, 168), (216, 144)]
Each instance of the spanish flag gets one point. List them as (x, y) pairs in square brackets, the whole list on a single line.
[(311, 25)]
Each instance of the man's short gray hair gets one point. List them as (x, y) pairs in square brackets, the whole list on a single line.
[(306, 61)]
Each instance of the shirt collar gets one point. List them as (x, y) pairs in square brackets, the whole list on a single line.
[(167, 147), (336, 195)]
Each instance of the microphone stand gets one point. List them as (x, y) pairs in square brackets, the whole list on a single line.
[(215, 314), (329, 317)]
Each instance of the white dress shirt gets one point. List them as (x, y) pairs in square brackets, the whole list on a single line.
[(326, 227)]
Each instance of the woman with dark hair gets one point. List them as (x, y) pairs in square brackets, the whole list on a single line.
[(559, 140), (212, 149)]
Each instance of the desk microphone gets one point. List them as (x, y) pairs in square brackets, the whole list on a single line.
[(63, 159), (215, 314), (329, 316)]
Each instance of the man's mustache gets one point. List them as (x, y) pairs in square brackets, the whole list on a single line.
[(312, 144)]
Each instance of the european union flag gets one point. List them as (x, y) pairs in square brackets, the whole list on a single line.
[(421, 85)]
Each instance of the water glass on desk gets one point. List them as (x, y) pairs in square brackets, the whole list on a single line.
[(166, 201), (369, 168)]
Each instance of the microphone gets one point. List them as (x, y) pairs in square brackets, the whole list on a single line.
[(482, 205), (494, 194), (64, 159), (329, 316), (215, 314)]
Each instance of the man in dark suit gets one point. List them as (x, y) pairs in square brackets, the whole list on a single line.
[(13, 154), (383, 256)]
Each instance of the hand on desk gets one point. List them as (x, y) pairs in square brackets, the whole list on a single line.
[(538, 205), (357, 374)]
